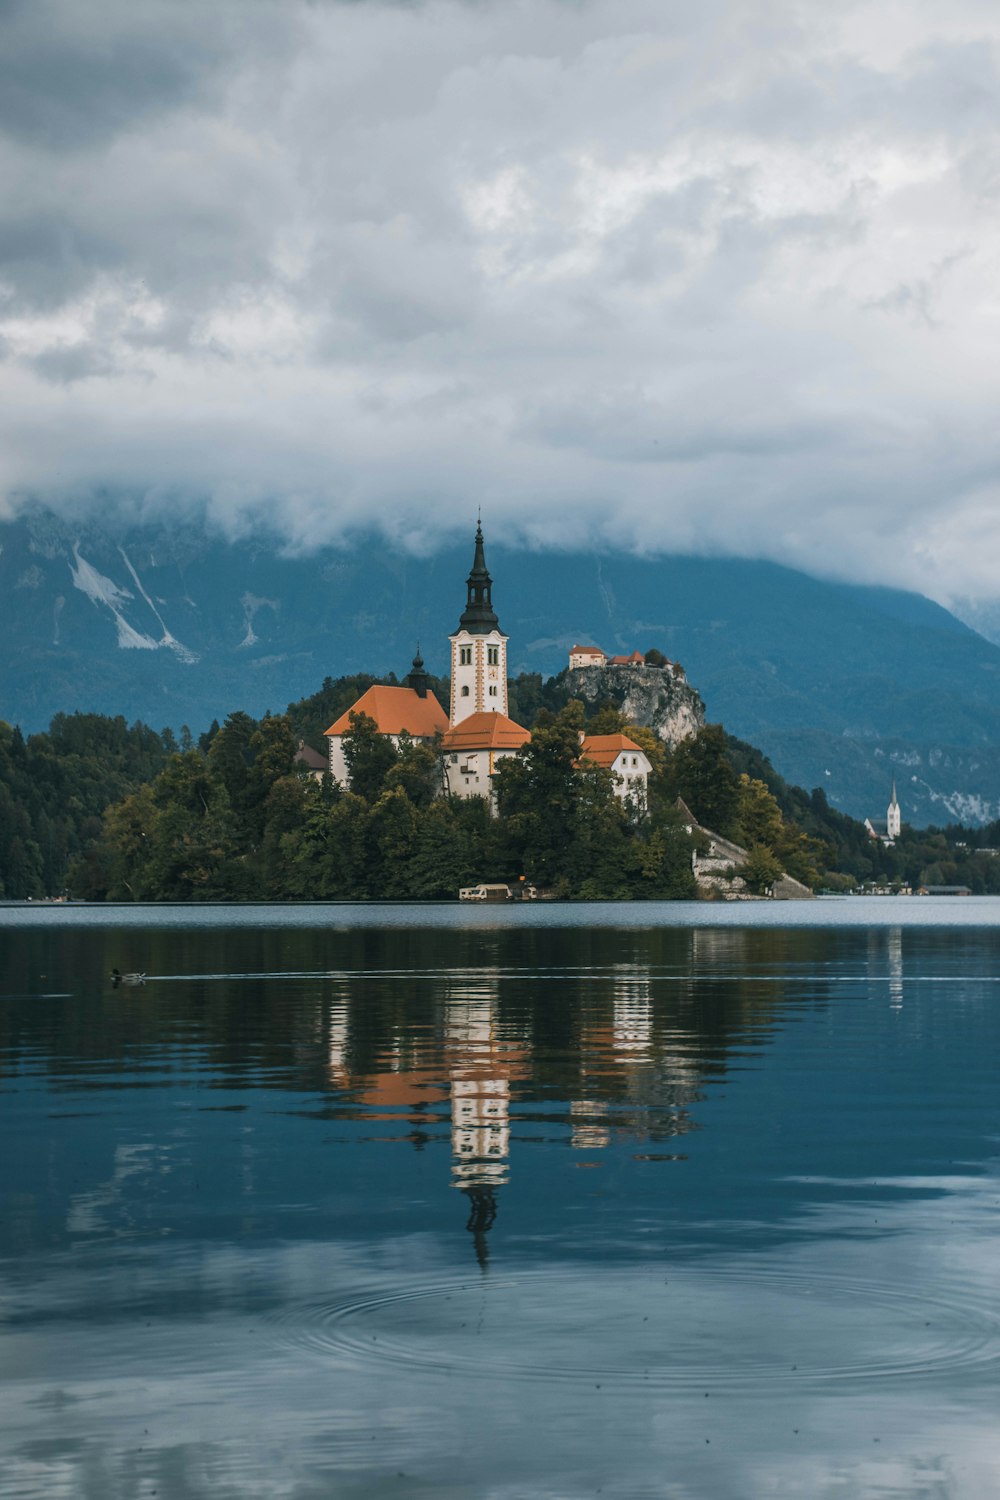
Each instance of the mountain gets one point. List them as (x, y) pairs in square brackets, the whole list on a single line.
[(843, 687)]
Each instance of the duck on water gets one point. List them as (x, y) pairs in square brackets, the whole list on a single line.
[(118, 978)]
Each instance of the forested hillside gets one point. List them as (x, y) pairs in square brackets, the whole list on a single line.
[(55, 787)]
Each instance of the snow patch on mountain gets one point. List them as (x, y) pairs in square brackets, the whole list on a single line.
[(251, 607), (965, 807), (167, 639), (96, 587), (101, 590)]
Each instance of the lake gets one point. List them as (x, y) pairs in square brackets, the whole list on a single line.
[(654, 1200)]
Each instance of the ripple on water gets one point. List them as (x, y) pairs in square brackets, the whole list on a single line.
[(678, 1329)]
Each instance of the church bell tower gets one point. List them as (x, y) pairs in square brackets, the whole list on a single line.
[(894, 816), (478, 648)]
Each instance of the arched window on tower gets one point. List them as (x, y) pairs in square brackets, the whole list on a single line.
[(465, 692)]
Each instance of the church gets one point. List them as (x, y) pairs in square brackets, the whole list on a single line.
[(477, 734), (887, 829)]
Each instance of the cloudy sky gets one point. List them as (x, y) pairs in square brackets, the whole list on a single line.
[(640, 274)]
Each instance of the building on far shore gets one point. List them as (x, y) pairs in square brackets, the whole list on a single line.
[(887, 829)]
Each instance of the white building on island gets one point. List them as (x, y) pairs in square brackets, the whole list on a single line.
[(627, 761), (474, 748), (411, 709)]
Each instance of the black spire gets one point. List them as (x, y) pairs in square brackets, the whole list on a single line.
[(479, 616), (416, 678)]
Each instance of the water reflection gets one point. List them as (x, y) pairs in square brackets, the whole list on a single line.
[(885, 962), (307, 1214)]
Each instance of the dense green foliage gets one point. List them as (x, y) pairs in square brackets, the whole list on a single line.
[(111, 811), (235, 821), (54, 788)]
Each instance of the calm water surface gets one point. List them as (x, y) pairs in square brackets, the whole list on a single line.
[(646, 1201)]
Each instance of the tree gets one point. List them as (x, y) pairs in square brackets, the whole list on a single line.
[(537, 792), (608, 718), (369, 755), (699, 770), (759, 815), (417, 771), (760, 869)]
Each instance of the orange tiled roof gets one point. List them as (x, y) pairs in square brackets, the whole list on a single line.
[(486, 732), (586, 650), (604, 749), (395, 709)]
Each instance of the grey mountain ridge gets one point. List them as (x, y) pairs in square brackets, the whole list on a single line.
[(841, 686)]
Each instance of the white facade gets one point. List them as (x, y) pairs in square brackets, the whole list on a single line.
[(469, 773), (893, 817), (628, 763), (631, 770), (478, 674), (586, 656)]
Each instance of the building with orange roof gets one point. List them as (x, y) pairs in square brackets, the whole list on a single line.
[(411, 709), (586, 656), (627, 761), (474, 747)]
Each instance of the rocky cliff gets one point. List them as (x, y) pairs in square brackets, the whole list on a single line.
[(653, 696)]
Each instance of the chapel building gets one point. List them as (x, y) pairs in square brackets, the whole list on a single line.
[(411, 709)]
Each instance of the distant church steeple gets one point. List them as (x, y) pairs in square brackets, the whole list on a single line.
[(478, 647), (893, 817)]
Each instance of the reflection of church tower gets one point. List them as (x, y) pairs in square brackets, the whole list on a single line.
[(480, 1069), (633, 1016), (894, 938), (478, 648)]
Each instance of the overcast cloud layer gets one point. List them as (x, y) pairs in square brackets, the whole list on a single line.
[(638, 273)]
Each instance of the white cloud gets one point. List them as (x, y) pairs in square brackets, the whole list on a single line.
[(629, 273)]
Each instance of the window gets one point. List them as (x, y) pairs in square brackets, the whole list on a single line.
[(464, 656), (493, 692), (454, 760), (493, 656), (465, 692), (634, 761)]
